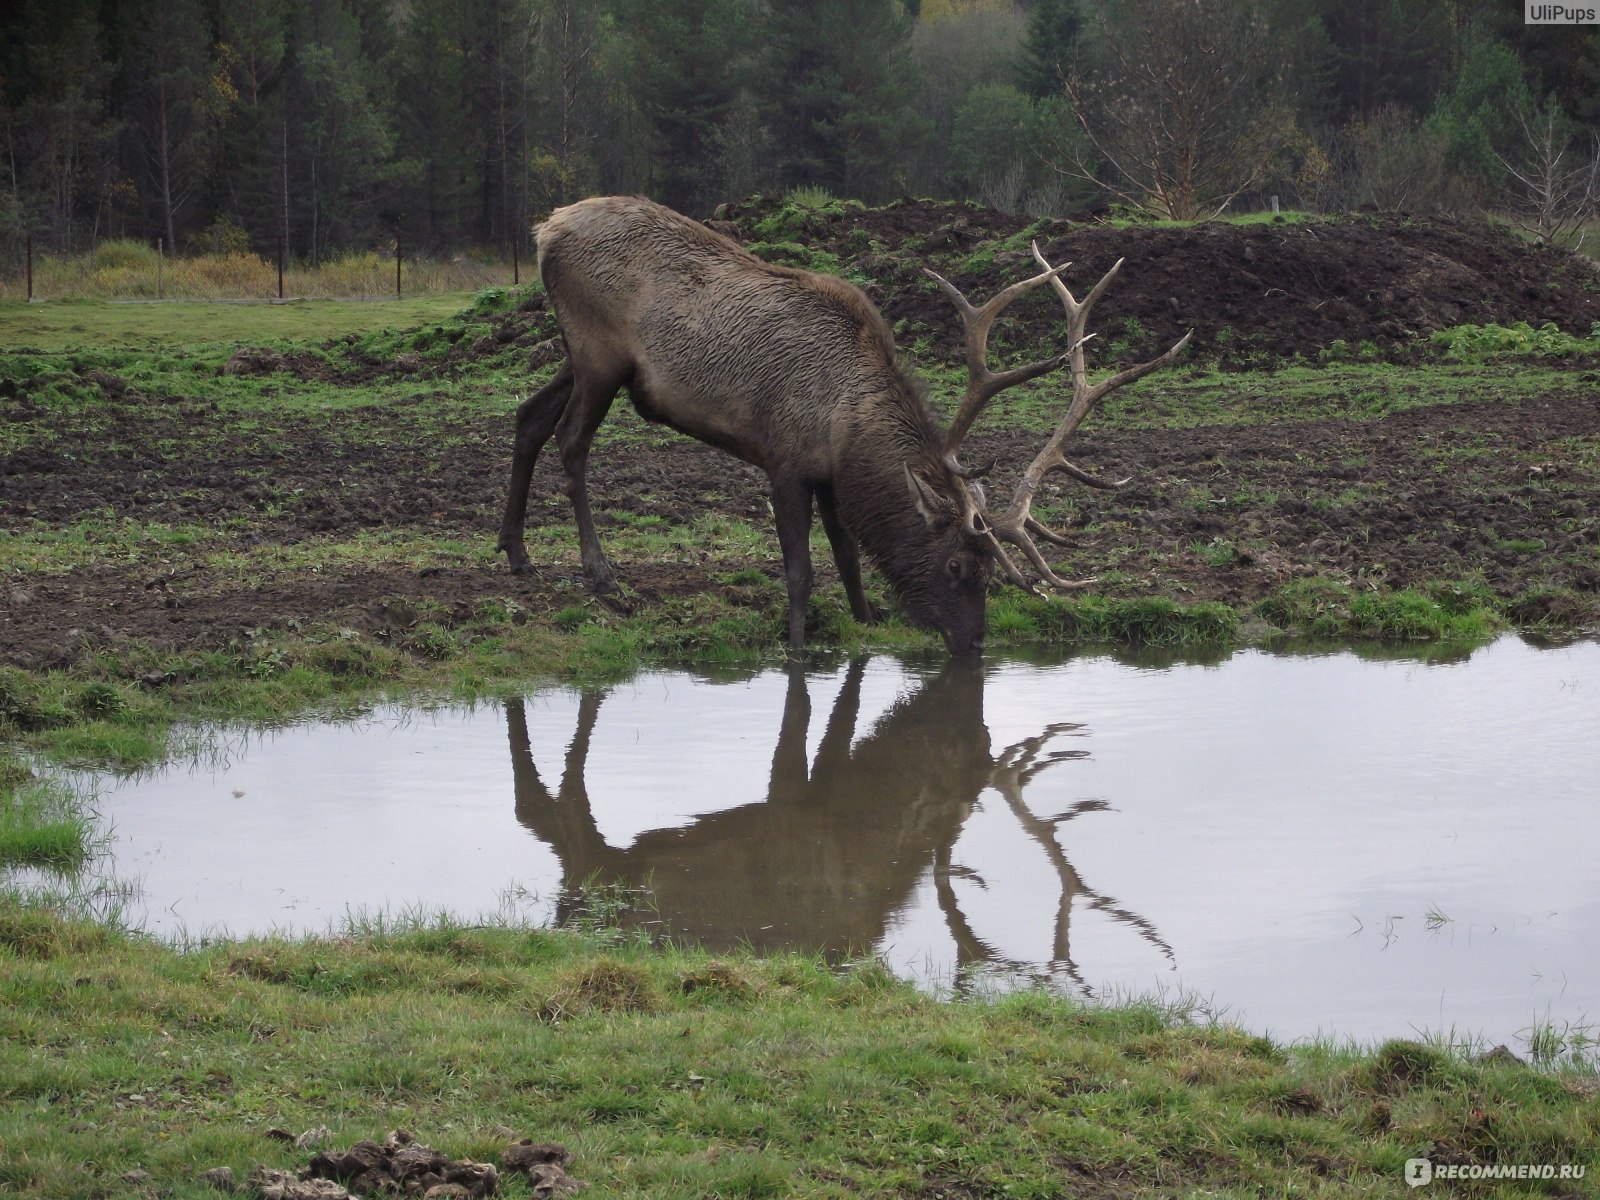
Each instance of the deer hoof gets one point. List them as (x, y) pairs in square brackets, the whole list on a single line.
[(604, 583)]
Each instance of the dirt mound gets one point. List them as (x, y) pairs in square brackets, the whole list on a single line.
[(1280, 288), (1375, 286)]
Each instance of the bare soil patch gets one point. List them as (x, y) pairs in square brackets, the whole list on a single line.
[(1224, 512)]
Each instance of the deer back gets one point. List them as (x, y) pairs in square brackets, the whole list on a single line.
[(710, 339)]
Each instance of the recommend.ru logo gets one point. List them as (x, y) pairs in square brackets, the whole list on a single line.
[(1421, 1170)]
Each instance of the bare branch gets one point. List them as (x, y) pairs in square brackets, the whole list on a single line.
[(1175, 107), (1553, 196)]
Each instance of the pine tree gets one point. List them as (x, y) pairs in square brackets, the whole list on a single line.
[(1478, 117), (59, 134), (1385, 52), (685, 64), (1053, 29), (337, 133), (432, 122), (178, 99), (253, 42), (835, 87)]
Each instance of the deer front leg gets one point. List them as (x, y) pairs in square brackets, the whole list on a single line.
[(847, 556), (574, 434), (536, 421), (791, 507)]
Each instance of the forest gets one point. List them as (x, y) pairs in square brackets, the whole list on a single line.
[(241, 126)]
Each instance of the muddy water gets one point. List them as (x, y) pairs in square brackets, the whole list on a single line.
[(1315, 844)]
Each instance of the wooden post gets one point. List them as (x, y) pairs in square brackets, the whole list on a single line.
[(397, 262), (280, 266), (516, 277), (161, 258), (30, 268)]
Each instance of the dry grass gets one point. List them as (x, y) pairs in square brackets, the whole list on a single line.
[(133, 271)]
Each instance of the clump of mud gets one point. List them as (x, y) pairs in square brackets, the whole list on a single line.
[(255, 360), (403, 1166)]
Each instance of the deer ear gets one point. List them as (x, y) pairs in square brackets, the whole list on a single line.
[(924, 498)]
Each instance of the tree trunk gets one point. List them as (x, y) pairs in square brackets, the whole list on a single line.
[(164, 150), (283, 162)]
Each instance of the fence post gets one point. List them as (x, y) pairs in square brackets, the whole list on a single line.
[(516, 277), (30, 268), (160, 259), (397, 262), (280, 266)]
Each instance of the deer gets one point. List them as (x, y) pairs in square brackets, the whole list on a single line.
[(796, 373)]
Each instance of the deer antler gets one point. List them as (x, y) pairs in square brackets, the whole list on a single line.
[(982, 383), (1017, 525)]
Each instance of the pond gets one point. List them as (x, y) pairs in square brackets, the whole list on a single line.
[(1311, 844)]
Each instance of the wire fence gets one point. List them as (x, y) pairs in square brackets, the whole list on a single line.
[(131, 270)]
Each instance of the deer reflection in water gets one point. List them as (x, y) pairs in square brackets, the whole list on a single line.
[(837, 848)]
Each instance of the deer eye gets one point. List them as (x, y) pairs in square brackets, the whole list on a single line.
[(955, 569)]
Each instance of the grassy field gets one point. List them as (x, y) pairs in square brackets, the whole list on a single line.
[(350, 542), (133, 1068)]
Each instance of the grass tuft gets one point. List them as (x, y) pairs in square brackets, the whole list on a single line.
[(1319, 607), (1147, 621), (1400, 1066)]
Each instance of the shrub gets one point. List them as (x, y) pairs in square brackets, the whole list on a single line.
[(125, 254)]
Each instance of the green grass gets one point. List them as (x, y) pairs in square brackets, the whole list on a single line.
[(1126, 218), (669, 1073), (42, 822), (117, 709), (1453, 612), (1364, 391), (1018, 619), (1482, 343), (1200, 394)]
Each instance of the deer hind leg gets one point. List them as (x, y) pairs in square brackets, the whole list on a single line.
[(536, 421), (791, 506), (847, 556), (591, 400)]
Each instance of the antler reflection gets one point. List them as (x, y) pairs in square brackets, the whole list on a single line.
[(1014, 769)]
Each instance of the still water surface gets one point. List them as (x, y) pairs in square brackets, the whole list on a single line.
[(1316, 844)]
